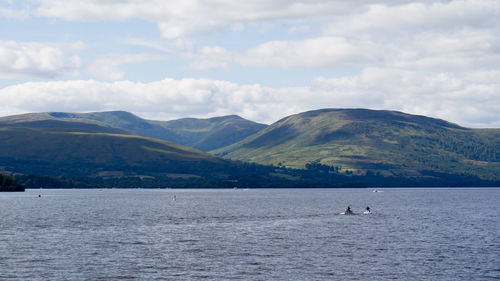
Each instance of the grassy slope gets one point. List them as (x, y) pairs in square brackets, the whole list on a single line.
[(388, 142), (202, 134), (59, 148), (212, 133), (63, 154)]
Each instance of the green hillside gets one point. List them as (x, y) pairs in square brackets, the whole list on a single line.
[(323, 148), (387, 143), (202, 134), (55, 153), (70, 148), (212, 133)]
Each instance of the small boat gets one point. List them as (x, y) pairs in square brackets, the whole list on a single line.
[(174, 198), (347, 211)]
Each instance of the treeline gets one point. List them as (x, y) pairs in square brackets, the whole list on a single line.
[(240, 175), (479, 145), (472, 147), (249, 175), (8, 183), (375, 179)]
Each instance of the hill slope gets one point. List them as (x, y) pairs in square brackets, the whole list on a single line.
[(55, 153), (212, 133), (388, 143), (202, 134), (55, 147)]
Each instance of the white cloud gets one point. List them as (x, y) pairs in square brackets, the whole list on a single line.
[(178, 19), (108, 67), (432, 57), (459, 50), (469, 100), (161, 99), (299, 29), (425, 35), (382, 20), (432, 51), (32, 59), (451, 36), (311, 53), (237, 28), (383, 33), (13, 14), (158, 46), (209, 57), (321, 52)]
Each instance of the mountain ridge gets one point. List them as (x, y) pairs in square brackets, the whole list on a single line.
[(361, 140), (203, 134), (370, 146), (68, 154)]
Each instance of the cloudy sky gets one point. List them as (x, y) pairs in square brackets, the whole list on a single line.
[(262, 60)]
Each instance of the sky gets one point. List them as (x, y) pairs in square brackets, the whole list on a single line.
[(262, 60)]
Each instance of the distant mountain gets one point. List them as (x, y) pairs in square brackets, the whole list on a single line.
[(68, 153), (212, 133), (53, 147), (329, 147), (202, 134), (361, 142)]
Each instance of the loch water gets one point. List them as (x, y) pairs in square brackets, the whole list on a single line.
[(266, 234)]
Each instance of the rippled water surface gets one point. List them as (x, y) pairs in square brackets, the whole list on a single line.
[(412, 234)]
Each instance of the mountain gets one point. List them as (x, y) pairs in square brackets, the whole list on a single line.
[(202, 134), (212, 133), (327, 148), (57, 153), (366, 142), (56, 147)]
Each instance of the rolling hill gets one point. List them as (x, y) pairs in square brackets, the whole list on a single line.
[(329, 147), (361, 141), (57, 153), (203, 134), (53, 147), (212, 133)]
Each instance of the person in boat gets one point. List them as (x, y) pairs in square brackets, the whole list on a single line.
[(367, 208), (348, 210)]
